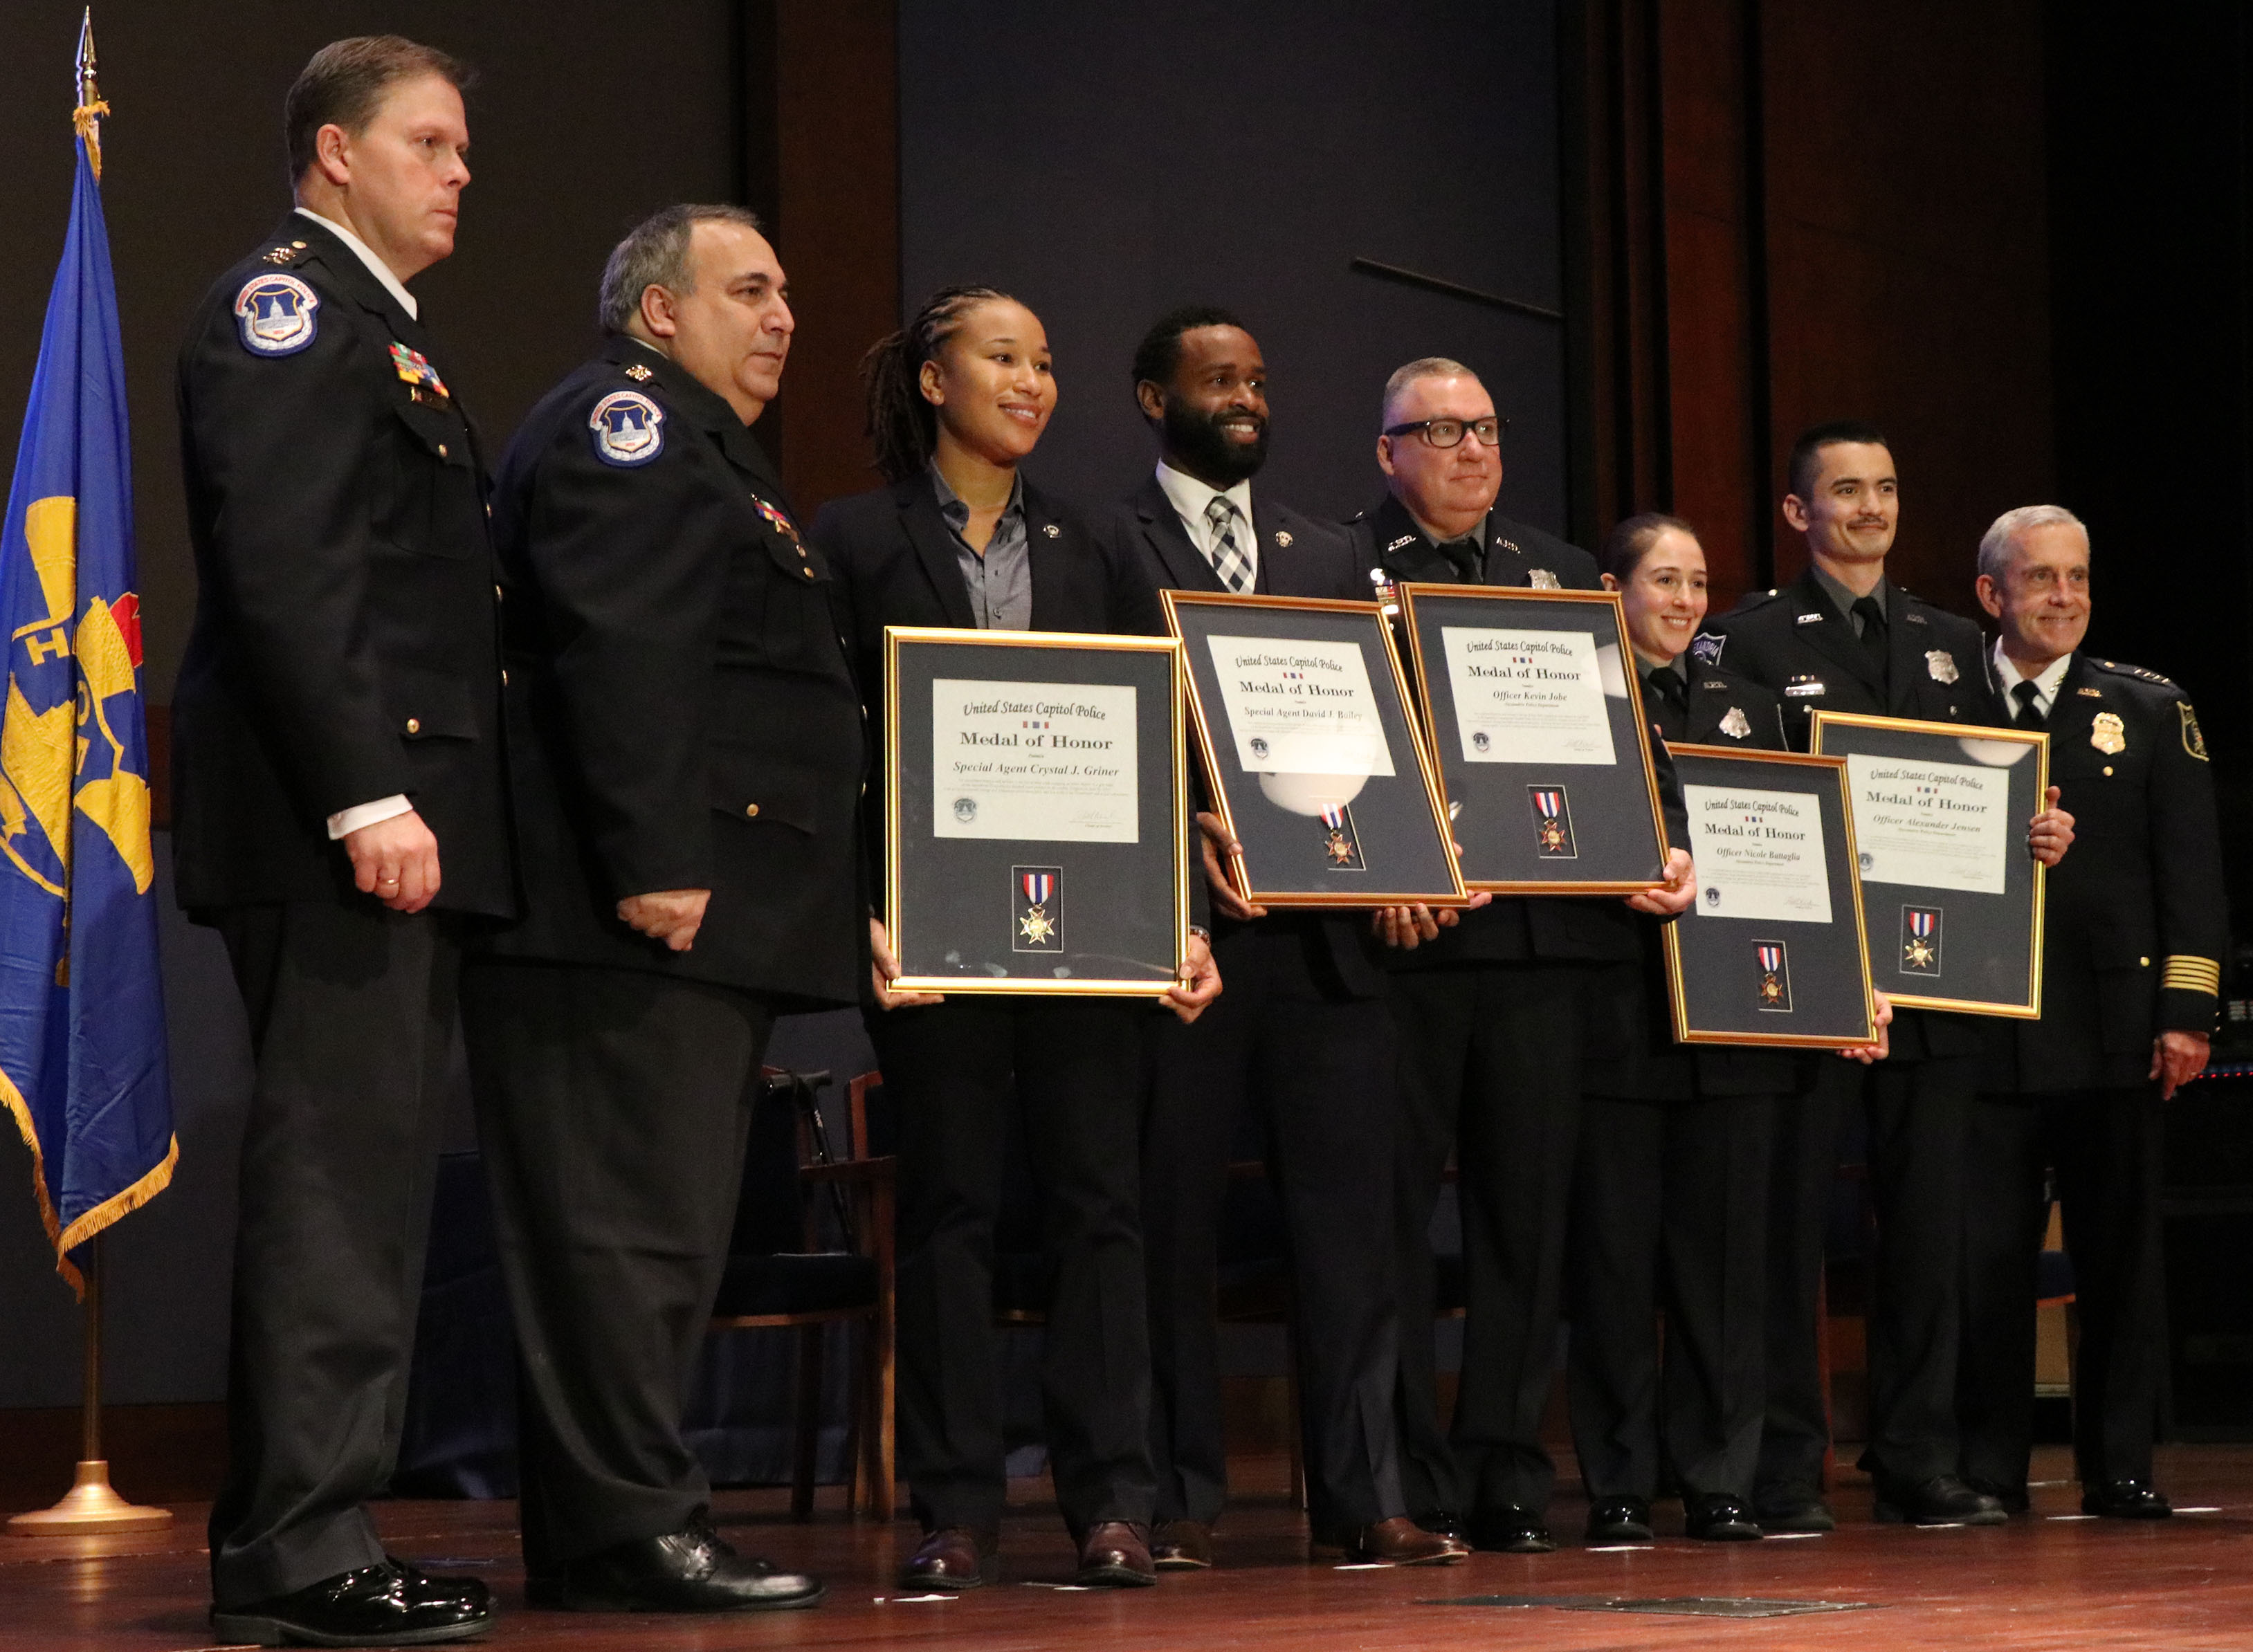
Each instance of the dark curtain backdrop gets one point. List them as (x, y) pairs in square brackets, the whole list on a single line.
[(1106, 164)]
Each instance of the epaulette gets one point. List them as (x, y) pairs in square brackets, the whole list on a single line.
[(635, 371), (2137, 672), (1751, 600), (283, 255)]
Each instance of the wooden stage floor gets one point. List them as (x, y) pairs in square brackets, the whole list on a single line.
[(2052, 1580)]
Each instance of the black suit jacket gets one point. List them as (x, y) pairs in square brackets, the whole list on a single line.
[(895, 565), (683, 711), (1631, 1051), (2137, 922), (1796, 642), (1511, 928), (1298, 556), (344, 647)]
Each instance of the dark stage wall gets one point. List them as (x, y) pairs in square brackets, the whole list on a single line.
[(1106, 164)]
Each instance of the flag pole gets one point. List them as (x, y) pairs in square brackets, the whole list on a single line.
[(91, 1507)]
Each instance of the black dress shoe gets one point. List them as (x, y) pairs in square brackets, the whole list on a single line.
[(1510, 1527), (1115, 1554), (1181, 1545), (952, 1558), (2124, 1500), (2014, 1499), (1715, 1517), (1444, 1522), (1791, 1508), (1941, 1501), (690, 1570), (1619, 1520), (389, 1605)]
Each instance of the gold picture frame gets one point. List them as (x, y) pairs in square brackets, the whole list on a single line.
[(1834, 728), (1206, 720), (901, 909), (1687, 758), (1615, 618)]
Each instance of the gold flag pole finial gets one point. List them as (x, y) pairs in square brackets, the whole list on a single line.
[(87, 116)]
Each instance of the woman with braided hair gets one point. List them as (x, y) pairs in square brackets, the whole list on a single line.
[(958, 400)]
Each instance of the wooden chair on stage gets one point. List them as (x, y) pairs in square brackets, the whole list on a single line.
[(809, 1290)]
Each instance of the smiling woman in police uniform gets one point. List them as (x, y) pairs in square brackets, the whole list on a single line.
[(1670, 1191), (2131, 974)]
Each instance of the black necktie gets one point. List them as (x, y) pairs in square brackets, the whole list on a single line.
[(1873, 627), (1464, 554), (1672, 695), (2029, 714), (1668, 684)]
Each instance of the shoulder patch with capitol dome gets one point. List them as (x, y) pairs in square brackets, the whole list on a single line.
[(629, 428), (274, 315)]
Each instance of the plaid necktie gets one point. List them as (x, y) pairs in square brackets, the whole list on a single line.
[(1226, 551)]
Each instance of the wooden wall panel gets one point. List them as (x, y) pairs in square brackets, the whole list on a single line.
[(1907, 257)]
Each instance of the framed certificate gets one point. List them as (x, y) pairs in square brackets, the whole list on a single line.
[(1531, 709), (1772, 951), (1311, 752), (1955, 900), (1037, 811)]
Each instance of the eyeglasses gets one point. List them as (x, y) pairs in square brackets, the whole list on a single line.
[(1448, 433)]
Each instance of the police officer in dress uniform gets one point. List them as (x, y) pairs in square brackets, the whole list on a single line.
[(958, 399), (686, 758), (1303, 1031), (2131, 973), (339, 817), (1491, 1012), (1844, 637), (1670, 1195)]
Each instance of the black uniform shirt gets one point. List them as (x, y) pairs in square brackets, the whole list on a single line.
[(2135, 923), (344, 648)]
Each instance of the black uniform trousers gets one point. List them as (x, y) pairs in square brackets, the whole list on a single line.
[(1071, 1069), (351, 1011), (613, 1107), (1320, 1066), (1490, 1069), (1918, 1111), (2106, 1147), (1670, 1202)]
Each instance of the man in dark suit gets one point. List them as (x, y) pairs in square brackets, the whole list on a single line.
[(1491, 1014), (1303, 1031), (1844, 637), (338, 816), (686, 758), (2132, 946)]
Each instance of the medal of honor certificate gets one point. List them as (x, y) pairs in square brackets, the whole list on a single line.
[(1036, 806), (1940, 814), (1532, 696), (1758, 854), (1044, 762), (1300, 708), (1940, 826)]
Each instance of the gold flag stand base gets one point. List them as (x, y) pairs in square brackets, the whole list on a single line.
[(90, 1508)]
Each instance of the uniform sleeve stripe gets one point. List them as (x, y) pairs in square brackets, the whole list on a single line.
[(2186, 973)]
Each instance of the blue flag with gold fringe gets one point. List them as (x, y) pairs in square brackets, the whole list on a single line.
[(82, 1056)]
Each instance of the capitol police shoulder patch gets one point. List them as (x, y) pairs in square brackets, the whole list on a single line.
[(274, 314), (629, 428)]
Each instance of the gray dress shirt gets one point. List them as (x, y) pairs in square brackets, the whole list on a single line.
[(1000, 582)]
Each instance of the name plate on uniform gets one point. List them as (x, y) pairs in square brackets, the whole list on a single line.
[(1772, 951), (1037, 811), (1955, 899), (1313, 759), (1529, 708)]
